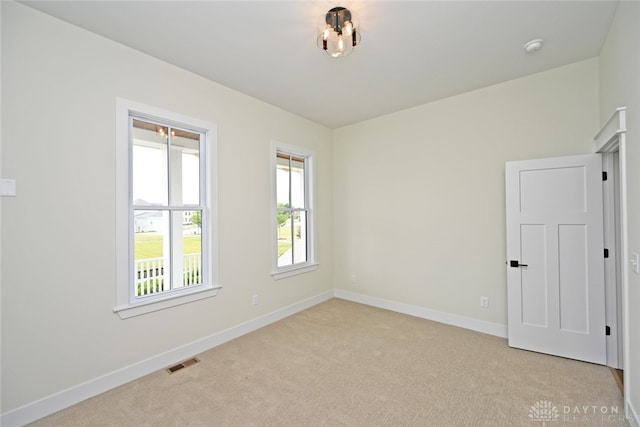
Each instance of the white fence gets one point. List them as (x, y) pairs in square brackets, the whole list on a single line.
[(150, 274)]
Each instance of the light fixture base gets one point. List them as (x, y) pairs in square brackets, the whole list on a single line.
[(337, 17), (533, 45)]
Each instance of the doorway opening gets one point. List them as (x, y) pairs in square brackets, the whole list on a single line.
[(612, 266)]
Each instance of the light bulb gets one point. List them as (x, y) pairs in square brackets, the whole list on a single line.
[(326, 33), (340, 43), (347, 28)]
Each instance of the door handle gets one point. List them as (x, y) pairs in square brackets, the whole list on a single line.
[(515, 263)]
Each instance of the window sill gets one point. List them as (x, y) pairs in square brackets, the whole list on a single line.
[(144, 307), (292, 271)]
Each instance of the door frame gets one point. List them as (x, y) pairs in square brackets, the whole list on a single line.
[(611, 141)]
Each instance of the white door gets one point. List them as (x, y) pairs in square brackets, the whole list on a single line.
[(555, 257)]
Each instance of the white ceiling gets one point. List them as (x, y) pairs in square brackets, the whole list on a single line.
[(412, 52)]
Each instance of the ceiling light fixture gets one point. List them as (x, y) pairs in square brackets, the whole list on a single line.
[(340, 36)]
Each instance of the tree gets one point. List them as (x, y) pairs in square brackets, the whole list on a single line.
[(283, 216), (196, 218)]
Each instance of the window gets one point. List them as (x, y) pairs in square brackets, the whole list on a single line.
[(294, 250), (166, 224)]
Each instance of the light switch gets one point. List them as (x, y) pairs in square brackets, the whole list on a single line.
[(7, 187), (635, 263)]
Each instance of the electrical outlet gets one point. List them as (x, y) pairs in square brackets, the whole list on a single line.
[(255, 299), (354, 278), (8, 187), (484, 302)]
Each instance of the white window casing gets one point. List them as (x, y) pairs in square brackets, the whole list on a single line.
[(307, 211), (128, 303)]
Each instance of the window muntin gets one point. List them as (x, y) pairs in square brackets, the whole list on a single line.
[(293, 210)]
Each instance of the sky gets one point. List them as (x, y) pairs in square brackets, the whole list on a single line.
[(150, 176)]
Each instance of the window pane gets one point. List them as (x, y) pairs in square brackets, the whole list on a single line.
[(188, 252), (151, 259), (285, 241), (185, 168), (299, 237), (297, 183), (282, 182), (149, 164)]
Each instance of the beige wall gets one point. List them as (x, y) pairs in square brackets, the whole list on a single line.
[(419, 205), (620, 87), (59, 89)]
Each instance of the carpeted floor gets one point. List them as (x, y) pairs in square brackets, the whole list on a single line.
[(346, 364)]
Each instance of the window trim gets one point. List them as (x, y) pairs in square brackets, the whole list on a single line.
[(126, 303), (310, 191)]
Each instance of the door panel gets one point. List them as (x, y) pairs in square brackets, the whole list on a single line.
[(555, 231), (559, 189), (534, 278), (573, 280)]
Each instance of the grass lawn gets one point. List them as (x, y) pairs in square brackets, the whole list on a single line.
[(283, 246), (149, 245)]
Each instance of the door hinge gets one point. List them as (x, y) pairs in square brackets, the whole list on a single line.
[(606, 253), (604, 175), (607, 330)]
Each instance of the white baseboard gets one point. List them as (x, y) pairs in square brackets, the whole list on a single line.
[(632, 414), (485, 327), (54, 403)]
